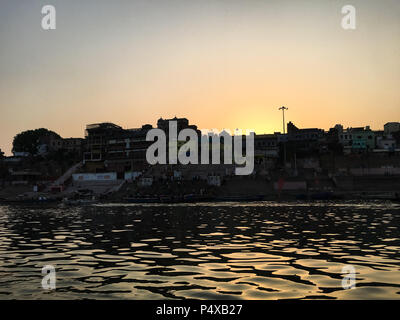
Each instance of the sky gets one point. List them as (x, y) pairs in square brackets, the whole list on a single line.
[(220, 63)]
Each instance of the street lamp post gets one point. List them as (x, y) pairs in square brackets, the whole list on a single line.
[(283, 108)]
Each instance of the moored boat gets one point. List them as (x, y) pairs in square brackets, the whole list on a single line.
[(141, 200), (244, 198), (79, 202), (40, 200)]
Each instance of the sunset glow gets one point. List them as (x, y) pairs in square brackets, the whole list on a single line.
[(221, 64)]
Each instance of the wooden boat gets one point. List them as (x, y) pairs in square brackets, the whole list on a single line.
[(323, 195), (197, 198), (79, 202), (40, 200), (240, 198), (328, 195), (141, 200)]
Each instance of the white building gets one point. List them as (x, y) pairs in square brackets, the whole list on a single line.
[(386, 142)]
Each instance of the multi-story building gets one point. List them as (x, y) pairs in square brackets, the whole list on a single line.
[(115, 148), (97, 137), (182, 123), (333, 134), (363, 138), (345, 137), (73, 144), (357, 139), (304, 141), (68, 144), (122, 150), (266, 150), (127, 151), (391, 127), (385, 142), (296, 134), (266, 145), (333, 144)]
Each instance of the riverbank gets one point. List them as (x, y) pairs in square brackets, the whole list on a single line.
[(306, 198), (231, 189)]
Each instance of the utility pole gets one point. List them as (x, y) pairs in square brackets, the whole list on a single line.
[(283, 108)]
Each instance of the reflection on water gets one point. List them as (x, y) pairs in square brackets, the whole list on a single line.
[(206, 251)]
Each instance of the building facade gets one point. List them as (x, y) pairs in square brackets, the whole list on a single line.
[(357, 139), (391, 127)]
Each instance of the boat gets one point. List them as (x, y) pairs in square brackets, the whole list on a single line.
[(240, 198), (167, 199), (80, 198), (325, 195), (79, 202), (197, 198), (40, 200), (383, 196), (322, 195), (141, 200)]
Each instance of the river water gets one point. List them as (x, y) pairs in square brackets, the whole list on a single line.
[(260, 250)]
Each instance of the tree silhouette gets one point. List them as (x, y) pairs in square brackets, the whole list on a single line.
[(28, 141)]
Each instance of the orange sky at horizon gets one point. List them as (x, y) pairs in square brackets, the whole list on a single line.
[(221, 64)]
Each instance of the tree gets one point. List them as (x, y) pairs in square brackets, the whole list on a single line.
[(28, 141)]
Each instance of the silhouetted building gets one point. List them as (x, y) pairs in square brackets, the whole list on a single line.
[(67, 144), (385, 141), (182, 123), (296, 134), (266, 145), (391, 127), (97, 137), (127, 151), (304, 141)]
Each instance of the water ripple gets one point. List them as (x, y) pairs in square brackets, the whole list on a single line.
[(258, 250)]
